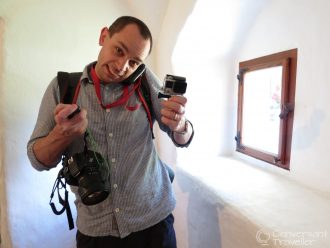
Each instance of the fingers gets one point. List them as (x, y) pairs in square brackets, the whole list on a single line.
[(179, 99), (173, 112), (64, 110), (176, 104), (68, 123), (76, 111), (170, 114)]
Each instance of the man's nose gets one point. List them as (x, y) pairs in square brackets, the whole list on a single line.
[(121, 66)]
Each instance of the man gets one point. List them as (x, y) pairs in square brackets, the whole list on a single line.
[(137, 212)]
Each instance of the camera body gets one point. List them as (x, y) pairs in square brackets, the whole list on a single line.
[(173, 85), (89, 171)]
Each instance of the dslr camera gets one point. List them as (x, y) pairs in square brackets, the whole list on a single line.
[(173, 85), (89, 171)]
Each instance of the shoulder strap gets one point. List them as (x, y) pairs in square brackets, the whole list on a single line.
[(67, 83), (145, 89), (145, 98)]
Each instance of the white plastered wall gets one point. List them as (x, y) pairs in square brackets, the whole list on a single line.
[(3, 229), (250, 196), (39, 38)]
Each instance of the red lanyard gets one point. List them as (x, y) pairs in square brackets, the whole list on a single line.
[(122, 100)]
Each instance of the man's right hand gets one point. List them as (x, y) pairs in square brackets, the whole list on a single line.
[(70, 127), (48, 150)]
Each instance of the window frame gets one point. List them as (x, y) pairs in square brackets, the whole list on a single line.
[(288, 60)]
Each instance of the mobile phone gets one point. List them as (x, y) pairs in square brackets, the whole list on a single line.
[(77, 110), (135, 75)]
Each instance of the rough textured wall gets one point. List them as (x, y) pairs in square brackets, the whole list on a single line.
[(4, 240)]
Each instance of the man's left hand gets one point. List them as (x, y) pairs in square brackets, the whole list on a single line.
[(173, 113)]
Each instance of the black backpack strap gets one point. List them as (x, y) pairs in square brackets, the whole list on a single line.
[(145, 98), (145, 89), (67, 83)]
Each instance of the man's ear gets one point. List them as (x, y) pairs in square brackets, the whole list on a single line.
[(103, 35)]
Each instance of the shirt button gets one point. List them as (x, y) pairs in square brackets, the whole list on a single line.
[(110, 135), (113, 160), (115, 186), (117, 210)]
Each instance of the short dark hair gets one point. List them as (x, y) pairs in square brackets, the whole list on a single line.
[(123, 21)]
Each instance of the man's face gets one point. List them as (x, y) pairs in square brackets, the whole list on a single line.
[(120, 54)]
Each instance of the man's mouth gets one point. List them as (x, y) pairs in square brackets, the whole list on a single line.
[(110, 73)]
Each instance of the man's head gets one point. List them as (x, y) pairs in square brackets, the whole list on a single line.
[(125, 45), (121, 22)]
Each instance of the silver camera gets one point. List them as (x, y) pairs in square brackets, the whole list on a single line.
[(173, 85)]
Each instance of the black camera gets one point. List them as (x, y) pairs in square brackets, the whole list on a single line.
[(173, 85), (89, 171)]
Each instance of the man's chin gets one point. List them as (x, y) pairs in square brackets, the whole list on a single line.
[(109, 77), (116, 80), (112, 79)]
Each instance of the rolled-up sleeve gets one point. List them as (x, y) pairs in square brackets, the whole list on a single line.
[(45, 122), (155, 87)]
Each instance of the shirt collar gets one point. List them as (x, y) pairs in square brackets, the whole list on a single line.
[(85, 75)]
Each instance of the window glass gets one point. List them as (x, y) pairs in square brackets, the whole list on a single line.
[(261, 109)]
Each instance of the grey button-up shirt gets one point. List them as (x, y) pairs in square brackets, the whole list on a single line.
[(141, 193)]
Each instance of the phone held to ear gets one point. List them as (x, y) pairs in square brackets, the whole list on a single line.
[(135, 75)]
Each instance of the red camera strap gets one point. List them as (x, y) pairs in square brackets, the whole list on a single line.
[(122, 100)]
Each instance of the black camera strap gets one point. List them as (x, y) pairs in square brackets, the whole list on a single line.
[(59, 184)]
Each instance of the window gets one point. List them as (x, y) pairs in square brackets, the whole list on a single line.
[(266, 94)]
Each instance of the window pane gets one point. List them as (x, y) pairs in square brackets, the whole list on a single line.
[(261, 109)]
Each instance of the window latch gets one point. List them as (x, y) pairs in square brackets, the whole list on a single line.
[(240, 75), (286, 109), (238, 139)]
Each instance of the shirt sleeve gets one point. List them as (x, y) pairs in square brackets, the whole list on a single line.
[(45, 122), (155, 88)]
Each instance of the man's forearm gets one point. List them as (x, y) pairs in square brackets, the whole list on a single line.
[(49, 150)]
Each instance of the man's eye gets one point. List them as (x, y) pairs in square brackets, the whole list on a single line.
[(119, 51)]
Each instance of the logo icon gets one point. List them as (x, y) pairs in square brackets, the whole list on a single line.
[(263, 237)]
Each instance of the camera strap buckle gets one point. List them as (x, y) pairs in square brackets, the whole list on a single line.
[(59, 184)]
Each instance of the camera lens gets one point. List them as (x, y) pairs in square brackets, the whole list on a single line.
[(168, 84), (94, 198), (180, 87)]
